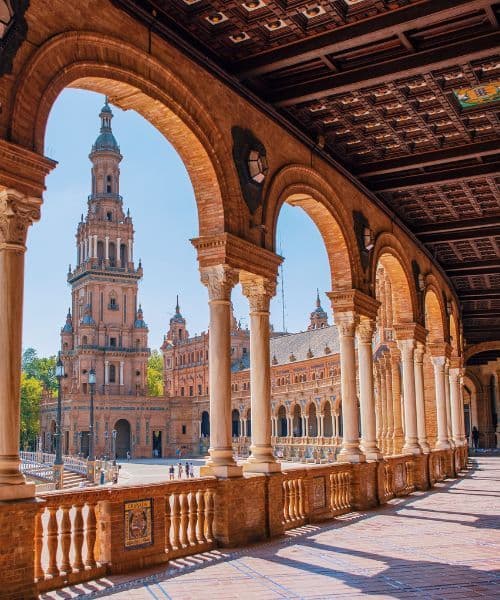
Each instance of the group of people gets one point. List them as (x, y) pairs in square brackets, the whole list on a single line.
[(187, 469)]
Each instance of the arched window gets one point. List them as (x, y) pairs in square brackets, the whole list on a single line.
[(84, 340), (108, 184), (235, 423), (282, 422), (112, 374), (123, 255)]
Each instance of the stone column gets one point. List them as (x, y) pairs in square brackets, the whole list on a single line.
[(346, 324), (396, 399), (106, 372), (455, 406), (378, 405), (365, 331), (121, 372), (94, 253), (389, 412), (130, 255), (106, 247), (321, 425), (220, 280), (407, 347), (259, 292), (419, 397), (448, 405), (17, 213), (442, 427)]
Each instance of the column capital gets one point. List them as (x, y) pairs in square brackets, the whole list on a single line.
[(455, 373), (354, 301), (346, 323), (17, 213), (419, 353), (219, 280), (258, 290), (366, 329), (439, 362), (407, 348)]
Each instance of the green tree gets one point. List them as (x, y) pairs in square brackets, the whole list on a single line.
[(31, 393), (154, 375), (42, 369)]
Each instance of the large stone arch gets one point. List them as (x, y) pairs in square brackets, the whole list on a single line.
[(302, 186), (481, 347), (133, 79), (389, 253)]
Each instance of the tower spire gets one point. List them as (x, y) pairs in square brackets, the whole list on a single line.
[(318, 301), (177, 307)]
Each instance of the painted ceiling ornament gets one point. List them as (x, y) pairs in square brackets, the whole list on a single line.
[(13, 31), (250, 158)]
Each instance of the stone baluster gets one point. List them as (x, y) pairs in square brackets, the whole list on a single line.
[(52, 540), (176, 520), (184, 521), (220, 281), (365, 331), (286, 502), (78, 537), (90, 535), (200, 518), (168, 522), (456, 428), (65, 539), (39, 574), (193, 512), (209, 512)]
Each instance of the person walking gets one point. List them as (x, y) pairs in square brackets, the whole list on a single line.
[(171, 472), (475, 438), (128, 455), (187, 470), (191, 470), (179, 470)]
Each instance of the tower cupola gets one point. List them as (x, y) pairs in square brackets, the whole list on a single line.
[(318, 318)]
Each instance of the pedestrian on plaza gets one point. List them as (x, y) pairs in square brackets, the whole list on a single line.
[(191, 470), (128, 455), (187, 470), (475, 438), (171, 472), (179, 470), (102, 478)]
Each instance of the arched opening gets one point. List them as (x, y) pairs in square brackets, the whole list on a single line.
[(249, 423), (312, 421), (282, 422), (235, 423), (297, 421), (123, 438), (205, 424), (327, 420)]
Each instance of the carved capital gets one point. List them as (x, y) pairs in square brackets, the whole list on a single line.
[(406, 347), (366, 329), (259, 292), (346, 323), (439, 362), (220, 280), (419, 353), (455, 374), (17, 213)]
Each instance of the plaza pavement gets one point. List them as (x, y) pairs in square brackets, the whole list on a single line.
[(442, 544)]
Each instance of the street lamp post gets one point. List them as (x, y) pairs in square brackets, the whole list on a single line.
[(58, 462), (113, 436), (91, 458)]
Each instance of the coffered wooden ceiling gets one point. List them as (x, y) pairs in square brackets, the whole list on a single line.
[(377, 86)]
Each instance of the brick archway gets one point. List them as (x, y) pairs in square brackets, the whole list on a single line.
[(435, 320), (388, 253), (302, 186), (135, 80)]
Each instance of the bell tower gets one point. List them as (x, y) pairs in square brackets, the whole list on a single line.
[(105, 327)]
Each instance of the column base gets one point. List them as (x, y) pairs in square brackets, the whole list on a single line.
[(256, 466), (412, 449), (222, 471), (351, 454), (425, 447), (374, 455), (441, 445), (17, 492)]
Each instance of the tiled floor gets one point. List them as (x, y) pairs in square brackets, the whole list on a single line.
[(442, 544)]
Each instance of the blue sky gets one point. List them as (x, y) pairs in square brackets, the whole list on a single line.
[(156, 188)]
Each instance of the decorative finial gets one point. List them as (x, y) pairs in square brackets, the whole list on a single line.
[(318, 302), (177, 307)]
